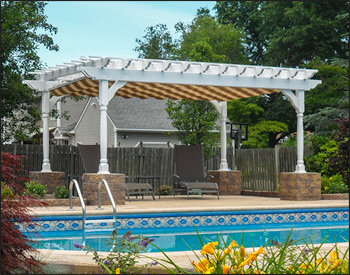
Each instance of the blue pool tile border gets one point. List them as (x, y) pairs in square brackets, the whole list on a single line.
[(181, 220)]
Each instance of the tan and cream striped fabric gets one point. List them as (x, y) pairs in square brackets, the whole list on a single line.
[(141, 90)]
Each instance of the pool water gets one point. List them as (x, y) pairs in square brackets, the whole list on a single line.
[(183, 241)]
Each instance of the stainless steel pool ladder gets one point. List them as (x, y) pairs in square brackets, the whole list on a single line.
[(75, 183)]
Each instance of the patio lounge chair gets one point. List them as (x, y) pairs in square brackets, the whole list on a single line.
[(90, 155), (190, 174)]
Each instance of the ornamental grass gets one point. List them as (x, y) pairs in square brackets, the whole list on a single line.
[(228, 257)]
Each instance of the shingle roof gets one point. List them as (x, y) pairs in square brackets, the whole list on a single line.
[(135, 113), (68, 128)]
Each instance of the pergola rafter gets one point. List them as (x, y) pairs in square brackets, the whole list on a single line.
[(106, 77)]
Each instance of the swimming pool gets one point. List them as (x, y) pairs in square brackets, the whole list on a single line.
[(173, 227), (183, 241)]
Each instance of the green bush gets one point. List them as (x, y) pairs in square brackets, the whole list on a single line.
[(324, 149), (164, 190), (61, 192), (35, 189), (6, 191), (333, 184)]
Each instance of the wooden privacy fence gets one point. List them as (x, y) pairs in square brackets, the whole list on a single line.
[(260, 168)]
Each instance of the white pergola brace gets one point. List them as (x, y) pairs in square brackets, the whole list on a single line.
[(298, 102), (105, 95)]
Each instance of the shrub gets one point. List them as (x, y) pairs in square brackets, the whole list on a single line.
[(324, 148), (333, 184), (61, 192), (164, 190), (36, 189), (16, 250), (340, 162), (122, 257)]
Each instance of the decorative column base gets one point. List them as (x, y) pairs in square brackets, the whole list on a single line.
[(51, 179), (229, 181), (116, 183), (300, 186)]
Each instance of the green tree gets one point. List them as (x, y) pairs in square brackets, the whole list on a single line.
[(20, 40), (195, 122), (242, 110), (247, 16), (225, 40), (328, 101), (264, 133), (289, 33), (157, 43)]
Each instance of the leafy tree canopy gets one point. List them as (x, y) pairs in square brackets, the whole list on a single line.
[(263, 134), (157, 43), (195, 121), (225, 40), (20, 40), (289, 33)]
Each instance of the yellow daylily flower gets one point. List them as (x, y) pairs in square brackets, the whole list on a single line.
[(248, 260), (233, 244), (202, 265), (259, 251), (209, 271), (225, 269), (259, 272), (226, 251), (345, 266), (336, 264), (334, 256), (209, 248), (117, 271)]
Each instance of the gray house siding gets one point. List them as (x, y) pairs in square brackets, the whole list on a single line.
[(88, 128)]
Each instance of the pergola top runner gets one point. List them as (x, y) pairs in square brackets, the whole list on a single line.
[(168, 79), (106, 77)]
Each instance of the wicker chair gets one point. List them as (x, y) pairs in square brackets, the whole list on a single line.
[(190, 172), (90, 155)]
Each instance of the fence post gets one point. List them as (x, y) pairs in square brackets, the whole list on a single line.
[(277, 163)]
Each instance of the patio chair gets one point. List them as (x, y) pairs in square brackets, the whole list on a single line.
[(90, 155), (190, 172)]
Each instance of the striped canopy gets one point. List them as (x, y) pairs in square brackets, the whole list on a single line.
[(90, 87)]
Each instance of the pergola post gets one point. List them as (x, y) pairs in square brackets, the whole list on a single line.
[(223, 118), (45, 101), (298, 102), (104, 96), (221, 107)]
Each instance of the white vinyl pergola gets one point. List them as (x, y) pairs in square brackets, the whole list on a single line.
[(106, 77)]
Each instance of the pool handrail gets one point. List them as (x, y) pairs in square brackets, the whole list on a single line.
[(75, 183), (109, 195)]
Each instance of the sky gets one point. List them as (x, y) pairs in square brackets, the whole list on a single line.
[(110, 28)]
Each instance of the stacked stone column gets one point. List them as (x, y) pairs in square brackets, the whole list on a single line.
[(229, 182), (300, 186), (116, 183)]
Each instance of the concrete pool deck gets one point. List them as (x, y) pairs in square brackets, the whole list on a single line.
[(79, 262), (195, 203)]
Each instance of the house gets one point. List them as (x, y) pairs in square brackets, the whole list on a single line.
[(130, 122)]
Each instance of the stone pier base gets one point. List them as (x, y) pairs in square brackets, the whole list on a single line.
[(51, 179), (229, 181), (300, 186), (116, 183)]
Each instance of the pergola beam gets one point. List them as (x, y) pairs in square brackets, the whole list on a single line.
[(199, 79)]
